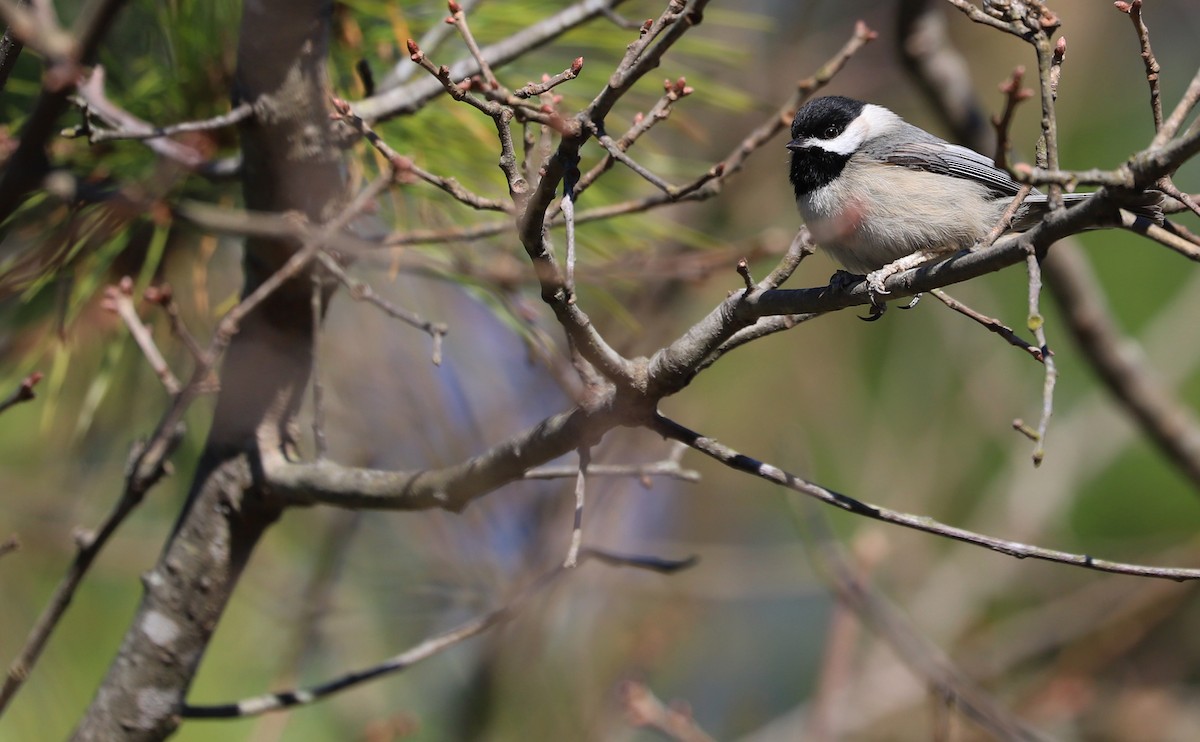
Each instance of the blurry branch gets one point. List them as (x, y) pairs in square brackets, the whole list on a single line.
[(317, 382), (426, 649), (674, 721), (36, 26), (740, 462), (24, 168), (118, 299), (361, 291), (140, 130), (128, 126), (23, 393), (164, 296), (1119, 363), (89, 545), (287, 699), (940, 71), (411, 97), (585, 460), (668, 468), (149, 461), (921, 656), (9, 545), (1109, 605), (10, 48)]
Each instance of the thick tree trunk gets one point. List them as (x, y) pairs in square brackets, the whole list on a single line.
[(290, 164)]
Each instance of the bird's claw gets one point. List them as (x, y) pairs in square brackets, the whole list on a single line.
[(915, 299), (875, 281), (877, 310)]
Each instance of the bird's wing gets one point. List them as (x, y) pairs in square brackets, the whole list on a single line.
[(937, 156)]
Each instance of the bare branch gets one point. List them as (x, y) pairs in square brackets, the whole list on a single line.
[(118, 299), (644, 709), (1037, 324), (534, 89), (1014, 94), (1120, 364), (91, 90), (361, 291), (458, 18), (990, 323), (1134, 11), (426, 649), (238, 113), (23, 393), (411, 97), (585, 460), (740, 462)]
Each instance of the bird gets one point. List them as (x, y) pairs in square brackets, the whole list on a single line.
[(874, 189)]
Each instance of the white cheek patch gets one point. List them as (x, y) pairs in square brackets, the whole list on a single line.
[(872, 119), (846, 143)]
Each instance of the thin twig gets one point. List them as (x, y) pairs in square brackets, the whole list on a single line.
[(585, 459), (320, 445), (362, 291), (922, 657), (534, 89), (740, 462), (644, 709), (991, 323), (92, 92), (119, 299), (426, 649), (1173, 123), (238, 113), (1037, 324), (405, 168), (1014, 94), (164, 296), (641, 472), (23, 393), (1120, 362), (1134, 11), (458, 18)]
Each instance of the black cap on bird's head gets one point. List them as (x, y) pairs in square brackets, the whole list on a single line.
[(817, 153)]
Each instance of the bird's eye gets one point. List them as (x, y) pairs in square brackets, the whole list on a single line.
[(832, 131)]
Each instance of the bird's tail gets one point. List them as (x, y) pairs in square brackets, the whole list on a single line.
[(1144, 204)]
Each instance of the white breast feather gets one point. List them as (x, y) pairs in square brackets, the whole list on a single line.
[(865, 221)]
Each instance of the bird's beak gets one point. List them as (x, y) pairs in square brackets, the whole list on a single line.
[(795, 145)]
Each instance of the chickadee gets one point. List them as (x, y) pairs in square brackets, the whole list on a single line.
[(874, 189)]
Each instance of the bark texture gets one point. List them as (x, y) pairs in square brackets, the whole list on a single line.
[(291, 164)]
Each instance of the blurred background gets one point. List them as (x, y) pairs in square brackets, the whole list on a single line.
[(913, 413)]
